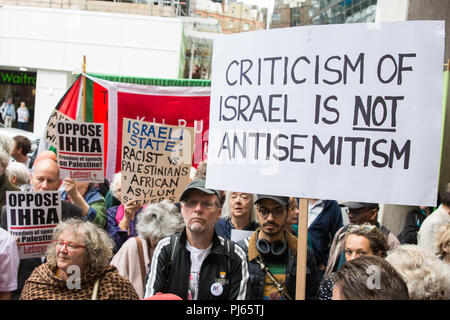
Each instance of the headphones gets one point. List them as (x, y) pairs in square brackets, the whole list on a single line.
[(275, 250)]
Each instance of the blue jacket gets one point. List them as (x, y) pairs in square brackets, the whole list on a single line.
[(96, 202), (321, 232), (223, 227)]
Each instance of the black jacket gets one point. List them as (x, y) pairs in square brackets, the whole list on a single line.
[(173, 277), (257, 275), (413, 221)]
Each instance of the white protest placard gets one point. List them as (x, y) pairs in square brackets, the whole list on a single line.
[(32, 217), (344, 112), (156, 160), (238, 235), (51, 133), (80, 151)]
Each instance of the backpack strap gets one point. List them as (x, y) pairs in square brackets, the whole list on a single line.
[(229, 245), (173, 245), (174, 240), (141, 259)]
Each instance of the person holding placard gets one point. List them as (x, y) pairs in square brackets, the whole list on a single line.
[(78, 268), (238, 213), (178, 259), (45, 177), (121, 219), (272, 254), (86, 196)]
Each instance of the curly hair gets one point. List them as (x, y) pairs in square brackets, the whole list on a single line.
[(6, 144), (159, 220), (4, 160), (18, 170), (226, 210), (99, 246), (377, 239), (442, 239), (115, 183), (427, 277)]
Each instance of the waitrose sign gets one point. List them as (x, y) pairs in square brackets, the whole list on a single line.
[(17, 78)]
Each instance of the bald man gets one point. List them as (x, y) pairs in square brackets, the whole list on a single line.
[(45, 177)]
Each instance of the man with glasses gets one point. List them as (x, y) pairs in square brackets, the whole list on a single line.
[(272, 254), (197, 264), (359, 213)]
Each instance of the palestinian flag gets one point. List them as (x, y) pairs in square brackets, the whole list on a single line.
[(109, 99)]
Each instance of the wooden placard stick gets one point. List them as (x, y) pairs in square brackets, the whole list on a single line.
[(302, 246), (84, 89)]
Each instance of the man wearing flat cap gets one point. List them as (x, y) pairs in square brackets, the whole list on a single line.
[(197, 264), (358, 213), (272, 254)]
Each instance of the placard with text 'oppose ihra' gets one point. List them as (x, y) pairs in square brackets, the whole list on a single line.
[(32, 217), (344, 112), (156, 160), (80, 151)]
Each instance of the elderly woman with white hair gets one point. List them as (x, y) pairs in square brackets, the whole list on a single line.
[(18, 175), (156, 221), (442, 243), (121, 219), (78, 268), (238, 213), (5, 184), (427, 277)]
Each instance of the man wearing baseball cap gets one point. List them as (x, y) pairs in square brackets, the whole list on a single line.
[(272, 254), (178, 259), (358, 213)]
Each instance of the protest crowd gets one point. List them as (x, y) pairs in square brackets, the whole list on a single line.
[(213, 244)]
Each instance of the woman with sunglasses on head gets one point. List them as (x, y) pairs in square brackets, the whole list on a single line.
[(77, 267), (360, 240)]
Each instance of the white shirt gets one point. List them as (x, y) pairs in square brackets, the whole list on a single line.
[(197, 258), (314, 210), (9, 262), (430, 226), (22, 114)]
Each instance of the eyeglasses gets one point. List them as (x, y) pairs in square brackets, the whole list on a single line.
[(70, 245), (276, 212), (192, 203)]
